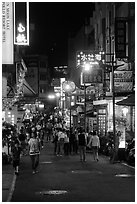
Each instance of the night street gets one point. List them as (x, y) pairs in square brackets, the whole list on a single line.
[(68, 101), (79, 182)]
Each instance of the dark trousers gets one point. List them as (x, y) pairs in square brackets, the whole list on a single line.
[(82, 152), (66, 148), (35, 161), (55, 147)]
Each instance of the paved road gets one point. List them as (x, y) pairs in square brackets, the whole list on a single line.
[(79, 182)]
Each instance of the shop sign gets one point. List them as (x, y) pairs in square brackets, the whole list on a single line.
[(123, 81), (7, 33), (21, 23), (120, 37), (93, 77), (87, 56)]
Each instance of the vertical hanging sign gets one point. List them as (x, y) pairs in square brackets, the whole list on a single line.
[(7, 33), (120, 37), (21, 23)]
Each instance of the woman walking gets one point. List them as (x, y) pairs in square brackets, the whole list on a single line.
[(95, 143), (34, 151)]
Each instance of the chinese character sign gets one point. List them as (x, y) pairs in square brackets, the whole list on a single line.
[(83, 57), (120, 37), (21, 23)]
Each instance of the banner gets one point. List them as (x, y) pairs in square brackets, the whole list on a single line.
[(7, 33)]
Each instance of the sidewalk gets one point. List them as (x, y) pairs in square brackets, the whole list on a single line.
[(8, 182), (9, 179)]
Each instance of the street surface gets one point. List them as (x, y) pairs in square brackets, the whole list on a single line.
[(66, 179)]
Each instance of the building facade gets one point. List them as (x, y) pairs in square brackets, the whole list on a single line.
[(117, 43)]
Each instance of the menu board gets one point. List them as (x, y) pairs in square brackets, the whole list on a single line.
[(102, 122)]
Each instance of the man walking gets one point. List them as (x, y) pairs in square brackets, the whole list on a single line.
[(82, 142)]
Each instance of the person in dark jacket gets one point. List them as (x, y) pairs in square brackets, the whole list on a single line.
[(16, 151), (82, 142)]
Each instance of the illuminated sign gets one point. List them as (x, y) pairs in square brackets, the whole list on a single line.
[(21, 23), (7, 33), (83, 57)]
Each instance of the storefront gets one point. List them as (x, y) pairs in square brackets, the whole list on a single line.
[(128, 112), (124, 117)]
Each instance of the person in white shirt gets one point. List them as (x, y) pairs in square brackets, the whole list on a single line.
[(60, 143), (95, 143), (34, 151)]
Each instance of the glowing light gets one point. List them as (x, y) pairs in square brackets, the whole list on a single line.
[(67, 86), (21, 38), (58, 94), (125, 111), (41, 105), (87, 67), (51, 96), (21, 28)]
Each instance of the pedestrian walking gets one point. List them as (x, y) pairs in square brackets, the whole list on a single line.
[(60, 143), (94, 142), (34, 151), (49, 131), (55, 140), (22, 138), (16, 151), (82, 142), (66, 143), (72, 141), (42, 138)]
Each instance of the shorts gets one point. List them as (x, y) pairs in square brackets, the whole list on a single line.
[(95, 148)]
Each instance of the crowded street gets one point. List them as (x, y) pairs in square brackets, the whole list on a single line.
[(66, 179), (68, 101)]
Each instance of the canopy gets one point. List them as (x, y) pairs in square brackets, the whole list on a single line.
[(129, 101)]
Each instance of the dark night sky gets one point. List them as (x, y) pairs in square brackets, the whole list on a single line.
[(53, 22)]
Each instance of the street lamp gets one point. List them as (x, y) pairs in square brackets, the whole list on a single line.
[(87, 67), (69, 87)]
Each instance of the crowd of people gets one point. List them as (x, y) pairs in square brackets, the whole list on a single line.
[(34, 135)]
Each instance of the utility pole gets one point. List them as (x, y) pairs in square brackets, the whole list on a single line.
[(113, 102), (84, 106), (113, 68)]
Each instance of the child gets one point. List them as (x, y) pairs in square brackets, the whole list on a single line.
[(16, 156)]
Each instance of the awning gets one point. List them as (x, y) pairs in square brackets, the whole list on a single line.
[(129, 101), (28, 91)]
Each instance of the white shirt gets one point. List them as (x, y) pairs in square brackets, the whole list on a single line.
[(95, 141), (34, 146)]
